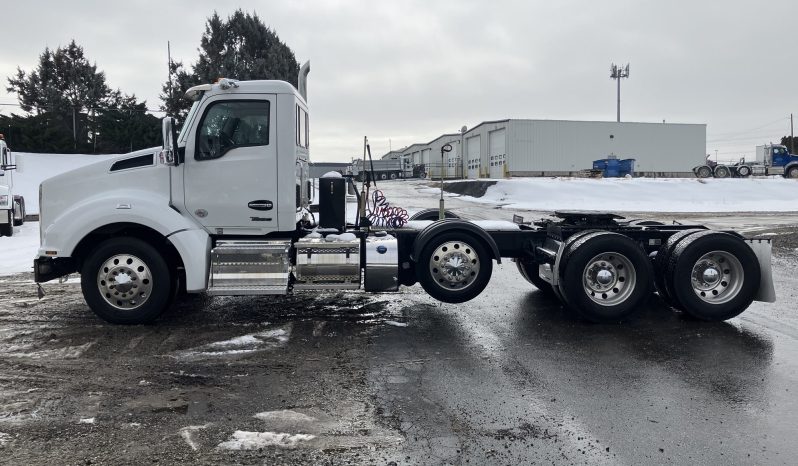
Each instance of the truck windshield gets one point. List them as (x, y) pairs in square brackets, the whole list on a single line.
[(187, 123)]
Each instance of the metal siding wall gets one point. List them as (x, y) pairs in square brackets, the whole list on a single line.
[(568, 146)]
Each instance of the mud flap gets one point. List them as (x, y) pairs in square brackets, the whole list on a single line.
[(762, 249)]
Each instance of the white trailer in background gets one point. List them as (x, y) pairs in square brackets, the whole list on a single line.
[(12, 207)]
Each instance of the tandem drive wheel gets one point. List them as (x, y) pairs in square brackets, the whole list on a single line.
[(606, 277), (713, 275), (531, 273)]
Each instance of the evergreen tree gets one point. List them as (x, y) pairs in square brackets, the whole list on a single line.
[(64, 81), (72, 109), (125, 126), (790, 143), (242, 47)]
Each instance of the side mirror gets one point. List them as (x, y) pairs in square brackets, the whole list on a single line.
[(169, 153), (5, 161)]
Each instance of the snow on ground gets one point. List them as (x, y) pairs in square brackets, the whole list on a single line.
[(644, 194), (284, 415), (17, 252), (242, 440), (32, 169), (237, 346)]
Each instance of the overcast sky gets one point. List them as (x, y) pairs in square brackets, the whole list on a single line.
[(408, 71)]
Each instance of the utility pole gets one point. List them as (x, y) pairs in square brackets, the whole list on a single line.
[(792, 137), (617, 73)]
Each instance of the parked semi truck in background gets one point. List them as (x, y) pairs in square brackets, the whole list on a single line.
[(223, 209), (771, 159), (388, 169), (12, 206)]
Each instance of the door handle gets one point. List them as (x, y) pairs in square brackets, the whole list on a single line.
[(261, 205)]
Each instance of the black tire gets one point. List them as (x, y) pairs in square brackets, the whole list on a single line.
[(722, 171), (744, 171), (531, 273), (629, 277), (433, 279), (662, 282), (383, 176), (152, 273), (432, 214), (792, 172), (735, 286), (703, 171), (7, 229), (393, 176)]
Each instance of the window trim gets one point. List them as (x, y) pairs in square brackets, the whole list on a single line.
[(227, 101)]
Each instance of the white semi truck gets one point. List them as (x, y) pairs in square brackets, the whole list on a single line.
[(12, 206), (223, 210)]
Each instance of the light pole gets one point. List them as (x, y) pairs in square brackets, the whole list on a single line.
[(617, 73), (444, 149)]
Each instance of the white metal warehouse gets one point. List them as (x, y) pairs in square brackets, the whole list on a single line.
[(495, 149)]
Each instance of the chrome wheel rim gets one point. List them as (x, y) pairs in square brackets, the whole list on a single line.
[(704, 172), (124, 282), (793, 173), (454, 265), (609, 279), (717, 277)]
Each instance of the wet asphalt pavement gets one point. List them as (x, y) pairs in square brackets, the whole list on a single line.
[(336, 378)]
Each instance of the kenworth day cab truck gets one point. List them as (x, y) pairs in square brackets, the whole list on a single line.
[(12, 206), (771, 159), (223, 209)]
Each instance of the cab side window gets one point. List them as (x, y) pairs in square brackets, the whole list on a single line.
[(231, 124), (302, 127)]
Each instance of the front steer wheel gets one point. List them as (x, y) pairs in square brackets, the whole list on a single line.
[(454, 267), (126, 281)]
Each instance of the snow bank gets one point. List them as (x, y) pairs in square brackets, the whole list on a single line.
[(644, 194), (32, 169), (18, 251)]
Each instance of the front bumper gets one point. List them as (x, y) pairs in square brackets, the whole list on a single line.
[(50, 268)]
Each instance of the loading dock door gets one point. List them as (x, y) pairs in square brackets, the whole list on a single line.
[(497, 156), (472, 154)]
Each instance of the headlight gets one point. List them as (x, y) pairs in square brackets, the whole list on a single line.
[(4, 199)]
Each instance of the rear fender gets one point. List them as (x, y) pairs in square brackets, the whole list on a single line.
[(448, 225)]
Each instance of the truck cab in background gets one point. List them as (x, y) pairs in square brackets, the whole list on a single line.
[(771, 159), (12, 207)]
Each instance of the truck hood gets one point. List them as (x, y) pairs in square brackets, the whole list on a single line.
[(110, 179)]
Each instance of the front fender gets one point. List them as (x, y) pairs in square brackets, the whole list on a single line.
[(62, 235)]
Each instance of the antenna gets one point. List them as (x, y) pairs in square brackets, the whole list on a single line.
[(169, 66), (616, 73)]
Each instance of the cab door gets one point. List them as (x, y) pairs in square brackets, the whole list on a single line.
[(230, 173)]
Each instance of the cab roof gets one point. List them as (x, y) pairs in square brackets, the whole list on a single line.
[(231, 86)]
